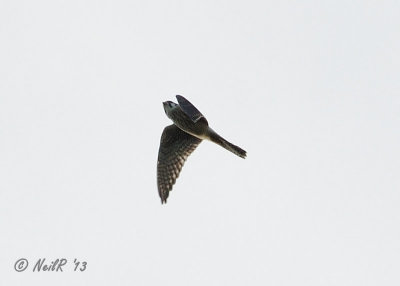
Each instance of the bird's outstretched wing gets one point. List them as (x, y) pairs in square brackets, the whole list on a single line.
[(189, 109), (175, 146)]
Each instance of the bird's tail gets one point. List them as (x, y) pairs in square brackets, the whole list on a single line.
[(214, 137)]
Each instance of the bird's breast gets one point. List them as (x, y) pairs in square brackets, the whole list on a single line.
[(197, 129)]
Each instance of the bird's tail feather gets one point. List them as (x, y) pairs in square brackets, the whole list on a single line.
[(214, 137)]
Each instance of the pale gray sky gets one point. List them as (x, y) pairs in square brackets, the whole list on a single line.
[(310, 90)]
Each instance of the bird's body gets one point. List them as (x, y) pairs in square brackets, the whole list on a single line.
[(198, 129), (180, 139)]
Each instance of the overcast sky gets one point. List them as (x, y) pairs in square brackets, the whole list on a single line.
[(310, 90)]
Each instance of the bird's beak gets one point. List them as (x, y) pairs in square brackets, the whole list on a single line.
[(165, 104)]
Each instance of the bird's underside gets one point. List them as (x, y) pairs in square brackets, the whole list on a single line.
[(180, 139)]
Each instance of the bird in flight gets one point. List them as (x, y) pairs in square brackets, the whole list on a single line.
[(180, 139)]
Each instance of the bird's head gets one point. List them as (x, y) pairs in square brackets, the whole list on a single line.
[(168, 106)]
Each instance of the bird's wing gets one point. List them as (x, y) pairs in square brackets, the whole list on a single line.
[(189, 109), (175, 146)]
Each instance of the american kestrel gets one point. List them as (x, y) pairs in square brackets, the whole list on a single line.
[(180, 139)]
